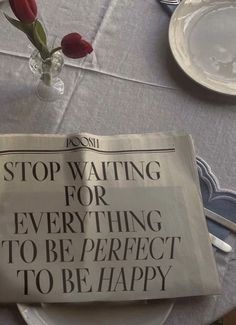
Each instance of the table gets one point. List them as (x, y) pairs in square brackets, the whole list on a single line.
[(130, 84)]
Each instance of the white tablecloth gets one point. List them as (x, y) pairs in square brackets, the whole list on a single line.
[(130, 84)]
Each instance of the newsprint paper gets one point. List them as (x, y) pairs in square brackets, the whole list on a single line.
[(102, 218)]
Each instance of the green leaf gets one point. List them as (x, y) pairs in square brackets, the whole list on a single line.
[(39, 33), (40, 39), (35, 33), (18, 24), (25, 28)]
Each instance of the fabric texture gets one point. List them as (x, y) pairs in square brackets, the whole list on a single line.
[(129, 84)]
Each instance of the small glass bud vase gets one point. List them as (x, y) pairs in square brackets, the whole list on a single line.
[(49, 86)]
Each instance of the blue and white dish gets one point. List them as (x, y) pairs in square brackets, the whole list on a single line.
[(220, 201)]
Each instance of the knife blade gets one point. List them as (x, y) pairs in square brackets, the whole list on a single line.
[(220, 220), (220, 244)]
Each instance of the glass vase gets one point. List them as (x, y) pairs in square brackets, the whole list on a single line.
[(49, 86)]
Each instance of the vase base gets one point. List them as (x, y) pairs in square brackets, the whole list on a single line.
[(50, 93)]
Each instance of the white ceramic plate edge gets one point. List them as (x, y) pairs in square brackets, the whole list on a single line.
[(32, 317), (179, 62)]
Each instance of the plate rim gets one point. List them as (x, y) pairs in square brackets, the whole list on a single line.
[(176, 57), (38, 320)]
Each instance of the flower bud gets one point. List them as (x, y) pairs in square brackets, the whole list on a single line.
[(24, 10), (73, 46)]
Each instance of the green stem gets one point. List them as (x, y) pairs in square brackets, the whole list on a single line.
[(46, 75), (55, 50), (45, 54)]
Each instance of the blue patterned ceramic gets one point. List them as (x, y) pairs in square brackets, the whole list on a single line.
[(216, 199)]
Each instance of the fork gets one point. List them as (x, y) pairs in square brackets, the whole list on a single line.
[(170, 2)]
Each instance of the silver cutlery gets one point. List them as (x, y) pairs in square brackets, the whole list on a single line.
[(220, 244), (220, 220), (171, 2)]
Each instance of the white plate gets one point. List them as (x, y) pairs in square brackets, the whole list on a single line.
[(202, 36), (148, 313)]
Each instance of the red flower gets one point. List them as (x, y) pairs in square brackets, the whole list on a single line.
[(73, 46), (24, 10)]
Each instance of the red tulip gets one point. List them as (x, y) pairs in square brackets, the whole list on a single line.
[(73, 46), (24, 10)]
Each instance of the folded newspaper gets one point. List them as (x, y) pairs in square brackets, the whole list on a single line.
[(102, 218)]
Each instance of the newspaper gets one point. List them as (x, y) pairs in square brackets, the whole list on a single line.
[(102, 218)]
